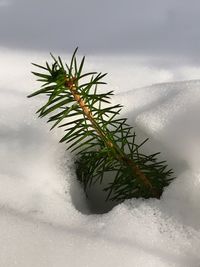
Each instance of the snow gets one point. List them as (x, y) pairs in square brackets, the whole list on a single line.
[(151, 54), (44, 216)]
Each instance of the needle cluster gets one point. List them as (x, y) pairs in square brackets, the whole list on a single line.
[(103, 142)]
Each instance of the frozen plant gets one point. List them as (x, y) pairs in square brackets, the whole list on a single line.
[(102, 140)]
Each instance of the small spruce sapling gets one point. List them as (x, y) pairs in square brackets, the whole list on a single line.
[(104, 142)]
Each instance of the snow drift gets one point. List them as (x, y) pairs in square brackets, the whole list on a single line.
[(44, 218)]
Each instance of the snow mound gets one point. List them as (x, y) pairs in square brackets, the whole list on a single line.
[(40, 200)]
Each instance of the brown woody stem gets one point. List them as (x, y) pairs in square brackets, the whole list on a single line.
[(70, 84)]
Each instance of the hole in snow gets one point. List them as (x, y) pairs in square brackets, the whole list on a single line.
[(95, 201)]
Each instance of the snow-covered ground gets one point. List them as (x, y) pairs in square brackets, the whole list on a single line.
[(44, 218)]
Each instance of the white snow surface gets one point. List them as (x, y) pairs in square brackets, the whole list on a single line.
[(44, 218)]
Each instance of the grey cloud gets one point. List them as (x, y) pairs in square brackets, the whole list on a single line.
[(148, 27)]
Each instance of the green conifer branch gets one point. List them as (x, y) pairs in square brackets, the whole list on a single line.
[(104, 142)]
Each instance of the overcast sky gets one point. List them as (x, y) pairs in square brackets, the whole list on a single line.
[(149, 27)]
